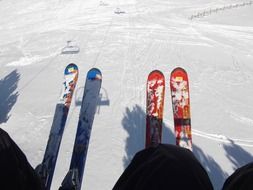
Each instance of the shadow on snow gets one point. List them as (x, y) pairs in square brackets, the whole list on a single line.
[(8, 94), (134, 123), (237, 155), (103, 99), (215, 172)]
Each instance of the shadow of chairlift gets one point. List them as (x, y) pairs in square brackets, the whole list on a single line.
[(70, 48), (119, 11), (103, 99)]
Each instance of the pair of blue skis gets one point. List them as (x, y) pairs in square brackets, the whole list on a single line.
[(73, 179)]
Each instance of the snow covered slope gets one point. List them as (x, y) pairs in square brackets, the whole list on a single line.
[(212, 40)]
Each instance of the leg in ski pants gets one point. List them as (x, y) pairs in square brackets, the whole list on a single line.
[(169, 167), (15, 171)]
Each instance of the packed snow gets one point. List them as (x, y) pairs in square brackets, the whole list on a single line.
[(211, 40)]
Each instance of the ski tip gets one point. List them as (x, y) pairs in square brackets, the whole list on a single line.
[(178, 69), (155, 74), (94, 74), (71, 69), (179, 73)]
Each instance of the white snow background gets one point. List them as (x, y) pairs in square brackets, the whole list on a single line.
[(212, 40)]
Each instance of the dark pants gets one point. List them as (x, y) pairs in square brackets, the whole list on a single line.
[(168, 167), (156, 168), (15, 171), (162, 168)]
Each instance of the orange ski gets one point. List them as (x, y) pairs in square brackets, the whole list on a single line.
[(179, 85), (154, 110)]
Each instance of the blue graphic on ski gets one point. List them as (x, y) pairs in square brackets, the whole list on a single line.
[(47, 167), (73, 179)]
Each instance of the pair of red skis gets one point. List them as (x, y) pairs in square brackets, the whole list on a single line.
[(179, 86)]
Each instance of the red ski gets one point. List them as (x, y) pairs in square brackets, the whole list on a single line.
[(179, 86), (154, 111)]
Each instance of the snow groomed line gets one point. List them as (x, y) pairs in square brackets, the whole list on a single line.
[(223, 139)]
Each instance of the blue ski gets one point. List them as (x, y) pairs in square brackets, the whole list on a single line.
[(73, 179), (46, 168)]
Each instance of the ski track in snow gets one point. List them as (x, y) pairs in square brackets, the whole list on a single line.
[(223, 139), (29, 60), (242, 119)]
